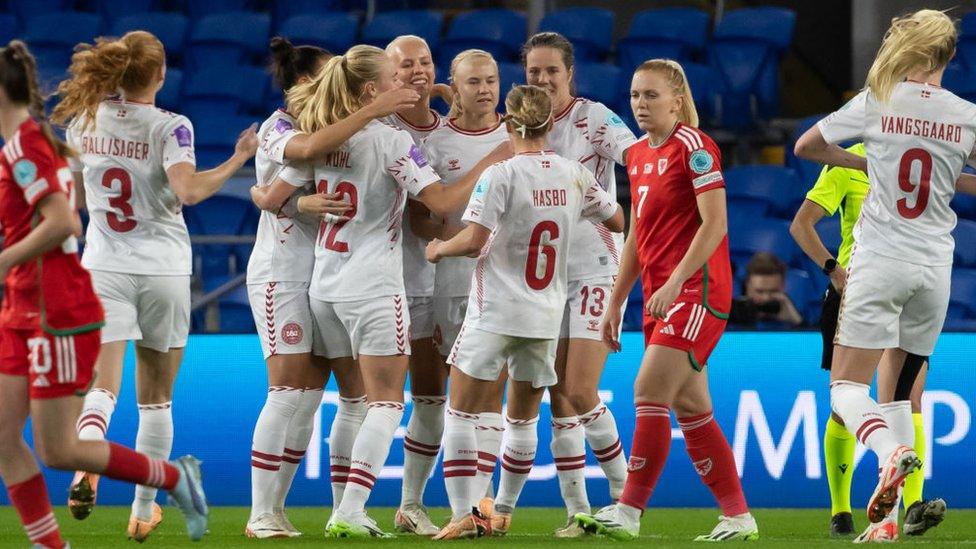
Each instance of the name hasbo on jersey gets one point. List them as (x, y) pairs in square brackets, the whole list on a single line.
[(664, 183), (916, 146), (136, 222), (532, 204), (54, 291)]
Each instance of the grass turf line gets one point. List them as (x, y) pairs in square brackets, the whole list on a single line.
[(664, 528)]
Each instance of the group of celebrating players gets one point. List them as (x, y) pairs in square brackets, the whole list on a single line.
[(393, 239)]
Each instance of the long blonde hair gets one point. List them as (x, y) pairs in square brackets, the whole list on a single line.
[(529, 111), (105, 68), (923, 41), (458, 59), (336, 91), (674, 74)]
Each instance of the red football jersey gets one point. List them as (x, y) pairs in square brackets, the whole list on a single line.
[(664, 182), (53, 291)]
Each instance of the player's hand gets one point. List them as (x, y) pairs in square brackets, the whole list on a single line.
[(661, 300), (324, 206), (247, 142), (610, 329), (443, 91), (839, 279), (392, 101), (432, 253)]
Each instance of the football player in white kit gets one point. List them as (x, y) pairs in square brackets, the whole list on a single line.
[(594, 135), (138, 166), (278, 276), (521, 219), (917, 137), (357, 292)]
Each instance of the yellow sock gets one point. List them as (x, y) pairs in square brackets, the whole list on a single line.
[(913, 482), (839, 446)]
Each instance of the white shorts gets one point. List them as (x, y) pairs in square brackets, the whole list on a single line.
[(153, 311), (586, 304), (421, 317), (448, 318), (376, 327), (282, 317), (482, 355), (889, 303)]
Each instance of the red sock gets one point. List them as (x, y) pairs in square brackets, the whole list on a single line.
[(129, 465), (652, 441), (712, 457), (34, 507)]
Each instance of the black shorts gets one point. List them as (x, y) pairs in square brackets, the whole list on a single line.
[(828, 324)]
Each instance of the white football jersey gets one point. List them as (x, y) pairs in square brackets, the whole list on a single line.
[(362, 258), (453, 152), (418, 273), (136, 222), (589, 132), (283, 247), (532, 203), (916, 147)]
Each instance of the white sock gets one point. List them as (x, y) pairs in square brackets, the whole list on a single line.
[(420, 447), (154, 439), (460, 462), (517, 459), (489, 433), (369, 454), (863, 417), (601, 434), (569, 452), (96, 414), (297, 435), (902, 425), (629, 516), (267, 444), (345, 426)]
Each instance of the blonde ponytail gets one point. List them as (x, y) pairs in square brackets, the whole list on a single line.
[(923, 41), (458, 59), (678, 82), (336, 92)]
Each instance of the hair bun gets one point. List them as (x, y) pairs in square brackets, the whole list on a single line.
[(281, 48)]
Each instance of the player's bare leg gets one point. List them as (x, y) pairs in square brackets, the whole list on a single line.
[(94, 420)]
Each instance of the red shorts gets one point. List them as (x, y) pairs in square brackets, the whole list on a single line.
[(56, 366), (689, 327)]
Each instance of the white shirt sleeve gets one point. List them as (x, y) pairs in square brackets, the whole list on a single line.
[(846, 123), (72, 139), (406, 163), (277, 138), (598, 205), (297, 174), (487, 203), (178, 143), (609, 135)]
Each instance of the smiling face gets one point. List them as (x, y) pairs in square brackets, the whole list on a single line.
[(414, 64), (475, 82), (654, 103), (546, 68)]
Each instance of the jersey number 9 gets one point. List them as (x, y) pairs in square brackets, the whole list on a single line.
[(908, 160)]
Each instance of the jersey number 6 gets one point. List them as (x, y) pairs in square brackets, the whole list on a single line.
[(908, 160), (345, 191), (537, 248), (119, 223)]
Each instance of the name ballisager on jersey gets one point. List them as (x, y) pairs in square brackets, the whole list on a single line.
[(113, 146), (548, 197), (921, 128)]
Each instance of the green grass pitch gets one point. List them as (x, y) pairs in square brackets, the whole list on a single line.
[(663, 528)]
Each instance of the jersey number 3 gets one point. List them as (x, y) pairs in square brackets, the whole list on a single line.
[(537, 248), (120, 220), (908, 161)]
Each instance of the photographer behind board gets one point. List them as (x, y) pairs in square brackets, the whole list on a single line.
[(764, 303)]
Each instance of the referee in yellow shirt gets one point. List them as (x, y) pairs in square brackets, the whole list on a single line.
[(843, 190)]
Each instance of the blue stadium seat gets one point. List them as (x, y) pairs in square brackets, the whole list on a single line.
[(216, 136), (197, 10), (335, 32), (385, 27), (235, 312), (224, 91), (53, 36), (30, 10), (229, 39), (671, 33), (589, 29), (965, 206), (599, 82), (634, 313), (829, 230), (966, 44), (169, 96), (744, 211), (766, 235), (774, 185), (807, 171), (965, 236), (962, 301), (9, 28), (285, 10), (509, 74), (702, 79), (806, 296), (500, 32), (218, 215), (113, 9), (170, 28)]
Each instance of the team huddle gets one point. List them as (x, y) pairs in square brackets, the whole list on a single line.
[(479, 248)]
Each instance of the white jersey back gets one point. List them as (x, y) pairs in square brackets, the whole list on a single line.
[(589, 132), (283, 247), (916, 147), (418, 273), (136, 222), (362, 258), (533, 204), (453, 152)]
